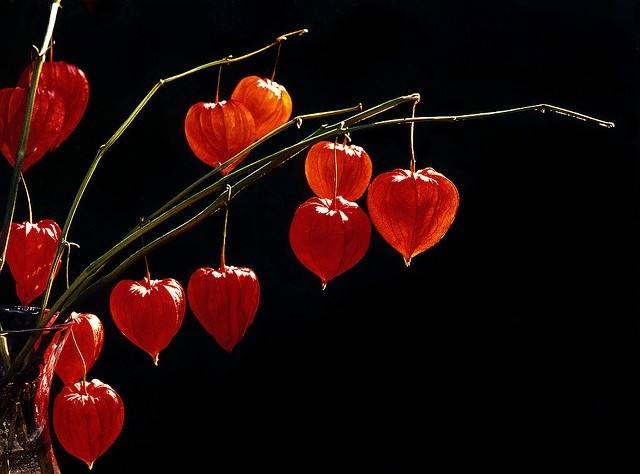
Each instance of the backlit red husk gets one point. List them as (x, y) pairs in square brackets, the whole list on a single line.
[(412, 211)]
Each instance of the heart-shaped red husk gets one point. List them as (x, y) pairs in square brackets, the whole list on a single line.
[(412, 211), (269, 102), (225, 302), (148, 312), (353, 170), (30, 253), (88, 418), (70, 84), (217, 131), (83, 344), (47, 120), (329, 236)]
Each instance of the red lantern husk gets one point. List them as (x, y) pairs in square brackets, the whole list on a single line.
[(88, 418), (225, 301), (81, 348), (329, 236), (412, 211), (30, 254), (269, 102), (353, 170), (70, 84), (148, 312), (47, 120), (217, 131)]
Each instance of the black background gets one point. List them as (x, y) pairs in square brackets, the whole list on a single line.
[(512, 342)]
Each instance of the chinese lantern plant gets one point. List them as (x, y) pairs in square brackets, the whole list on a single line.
[(329, 233)]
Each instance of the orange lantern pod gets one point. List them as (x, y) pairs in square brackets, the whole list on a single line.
[(412, 210), (46, 123), (269, 102), (329, 236), (350, 163), (81, 348), (70, 84), (88, 418), (225, 301), (30, 253), (148, 312), (216, 131)]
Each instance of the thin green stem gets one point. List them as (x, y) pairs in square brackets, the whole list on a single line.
[(146, 259), (218, 84), (117, 134), (4, 349), (20, 153), (66, 269), (27, 196), (412, 128), (275, 63), (84, 364), (224, 229)]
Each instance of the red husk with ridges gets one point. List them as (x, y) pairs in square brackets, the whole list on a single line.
[(353, 170), (30, 253), (47, 120), (225, 301), (88, 418), (86, 335), (148, 312), (269, 102), (70, 84), (412, 211), (329, 236), (217, 131)]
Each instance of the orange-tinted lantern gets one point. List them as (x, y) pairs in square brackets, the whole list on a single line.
[(412, 211), (47, 120), (87, 419), (81, 348), (350, 163), (148, 312), (225, 301), (329, 236), (218, 131), (268, 102), (30, 253), (70, 84)]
